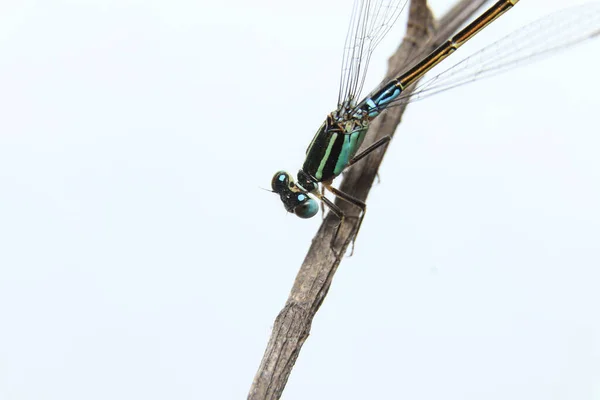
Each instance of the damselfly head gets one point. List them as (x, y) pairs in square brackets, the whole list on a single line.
[(295, 199)]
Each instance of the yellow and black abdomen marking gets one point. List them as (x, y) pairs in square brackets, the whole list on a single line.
[(447, 48)]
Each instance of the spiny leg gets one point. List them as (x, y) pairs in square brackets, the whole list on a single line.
[(381, 142), (352, 200), (341, 216), (348, 198), (322, 202)]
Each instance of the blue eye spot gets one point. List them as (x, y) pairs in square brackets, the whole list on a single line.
[(301, 197), (281, 178)]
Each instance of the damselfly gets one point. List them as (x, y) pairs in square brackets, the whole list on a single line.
[(335, 146)]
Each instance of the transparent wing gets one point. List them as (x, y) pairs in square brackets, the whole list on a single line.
[(371, 20), (532, 42)]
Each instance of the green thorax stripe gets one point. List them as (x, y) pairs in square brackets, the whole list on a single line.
[(330, 152)]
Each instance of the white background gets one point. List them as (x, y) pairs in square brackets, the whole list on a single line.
[(139, 258)]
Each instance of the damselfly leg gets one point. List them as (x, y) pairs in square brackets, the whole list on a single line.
[(349, 198), (381, 142)]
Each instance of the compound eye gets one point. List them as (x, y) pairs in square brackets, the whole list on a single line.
[(308, 207), (281, 181)]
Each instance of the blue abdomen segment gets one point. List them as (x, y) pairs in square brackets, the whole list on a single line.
[(378, 101)]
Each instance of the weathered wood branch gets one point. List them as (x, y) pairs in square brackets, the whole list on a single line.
[(292, 326)]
